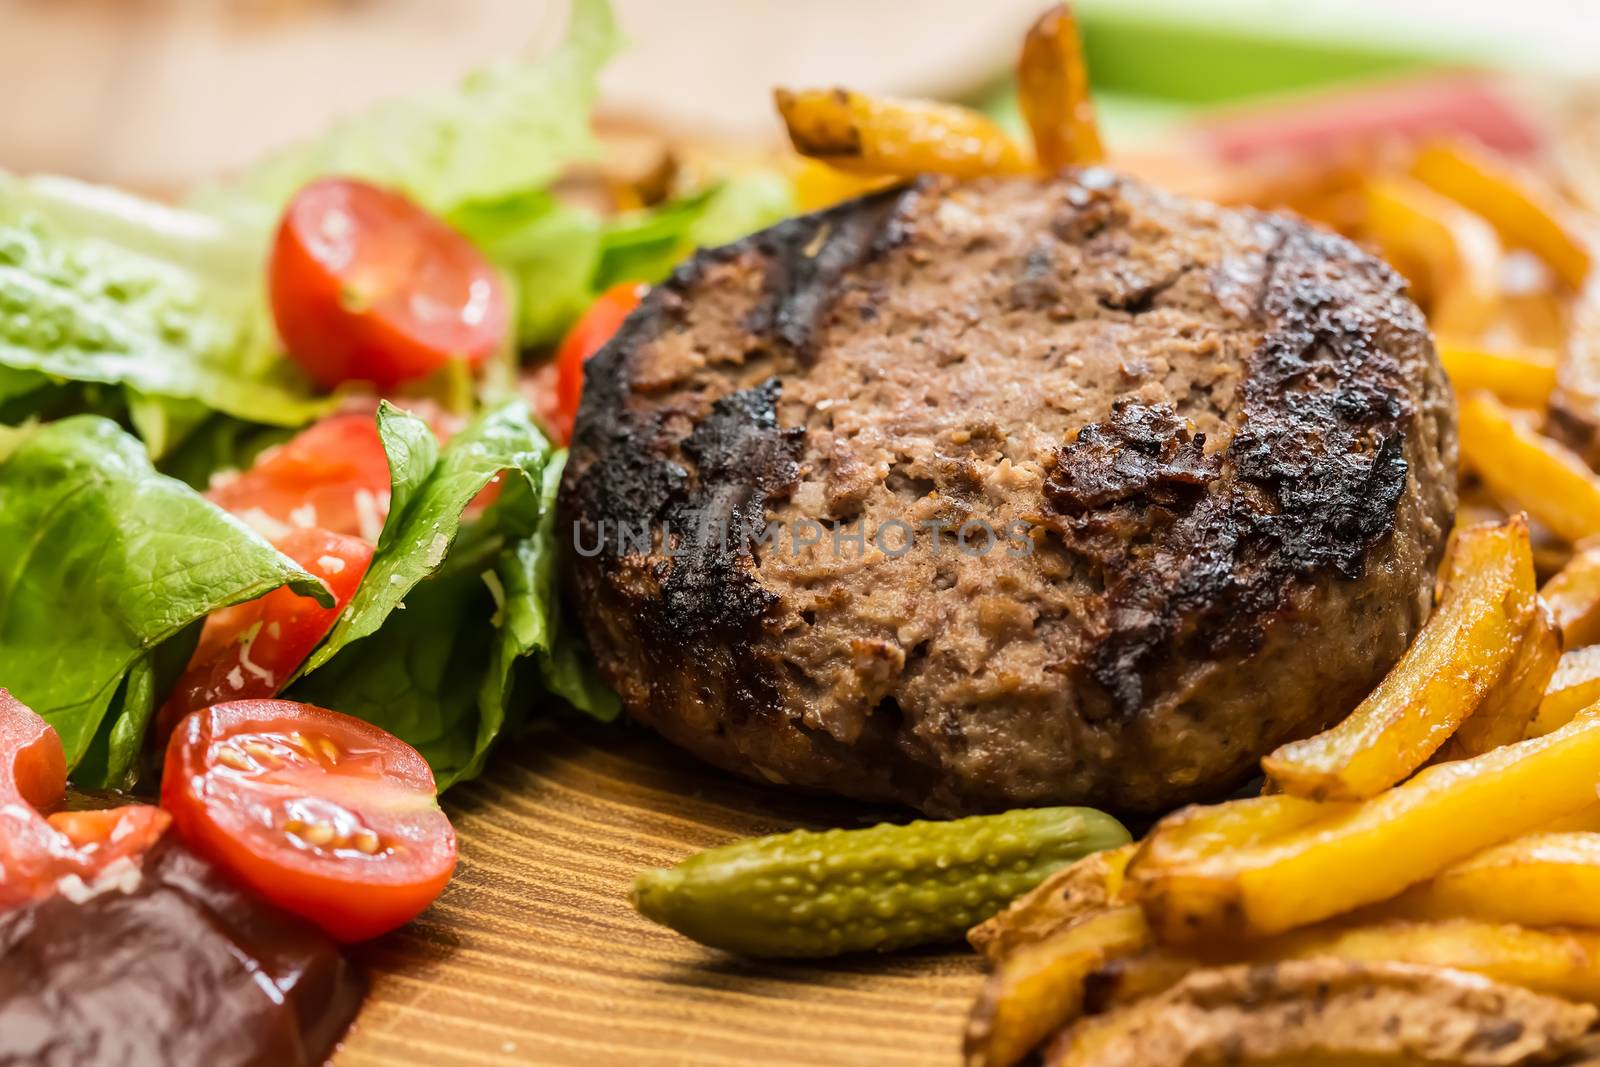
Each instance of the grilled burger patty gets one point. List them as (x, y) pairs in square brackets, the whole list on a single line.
[(1010, 492)]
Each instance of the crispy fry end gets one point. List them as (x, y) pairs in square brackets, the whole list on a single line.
[(1053, 92), (900, 138)]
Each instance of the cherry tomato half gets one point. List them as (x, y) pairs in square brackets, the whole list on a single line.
[(38, 852), (333, 475), (252, 650), (597, 325), (323, 814), (367, 286)]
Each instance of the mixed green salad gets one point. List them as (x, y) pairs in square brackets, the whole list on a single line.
[(166, 458)]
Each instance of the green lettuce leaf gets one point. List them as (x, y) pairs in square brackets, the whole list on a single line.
[(549, 251), (535, 619), (506, 130), (559, 257), (440, 643), (102, 562), (97, 286), (645, 246), (425, 510), (19, 383)]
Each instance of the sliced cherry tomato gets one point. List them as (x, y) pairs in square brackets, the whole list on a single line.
[(38, 853), (333, 476), (323, 814), (367, 286), (103, 835), (251, 650), (603, 318)]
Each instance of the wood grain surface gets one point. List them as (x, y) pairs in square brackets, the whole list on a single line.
[(533, 954)]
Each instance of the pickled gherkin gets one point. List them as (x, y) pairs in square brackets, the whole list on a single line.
[(822, 893)]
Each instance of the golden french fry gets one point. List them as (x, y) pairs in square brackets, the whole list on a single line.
[(1586, 821), (1519, 464), (817, 185), (1536, 318), (1573, 594), (904, 138), (1522, 378), (1053, 92), (1428, 932), (1550, 879), (1525, 212), (1574, 686), (1575, 403), (1507, 713), (1202, 832), (1090, 884), (1368, 852), (1564, 963), (1039, 988), (1132, 978), (1457, 252), (1455, 663), (1328, 1011)]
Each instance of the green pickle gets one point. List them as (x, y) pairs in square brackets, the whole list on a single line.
[(811, 893)]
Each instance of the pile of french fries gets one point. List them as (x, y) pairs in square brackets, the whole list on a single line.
[(1452, 821), (1448, 831)]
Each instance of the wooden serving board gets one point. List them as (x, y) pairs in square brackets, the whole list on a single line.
[(534, 955)]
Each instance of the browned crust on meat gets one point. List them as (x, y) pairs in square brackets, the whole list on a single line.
[(1194, 545), (1322, 1010)]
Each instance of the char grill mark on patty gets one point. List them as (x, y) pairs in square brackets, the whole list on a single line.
[(1309, 483), (739, 459)]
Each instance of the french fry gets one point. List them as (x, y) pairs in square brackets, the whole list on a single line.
[(1573, 594), (1328, 1012), (1561, 962), (1526, 214), (1575, 403), (1523, 378), (1536, 472), (1574, 686), (1586, 821), (1565, 963), (1053, 92), (1536, 318), (1202, 832), (1453, 666), (1550, 879), (1369, 852), (1508, 712), (1090, 884), (903, 138), (1039, 988), (1458, 252), (817, 185)]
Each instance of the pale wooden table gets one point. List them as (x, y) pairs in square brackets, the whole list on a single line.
[(533, 954)]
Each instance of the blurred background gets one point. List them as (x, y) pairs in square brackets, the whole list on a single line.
[(155, 94)]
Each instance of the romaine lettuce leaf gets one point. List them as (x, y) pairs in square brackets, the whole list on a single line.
[(549, 251), (533, 613), (645, 246), (97, 286), (559, 257), (507, 130), (459, 649), (426, 508), (104, 562)]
